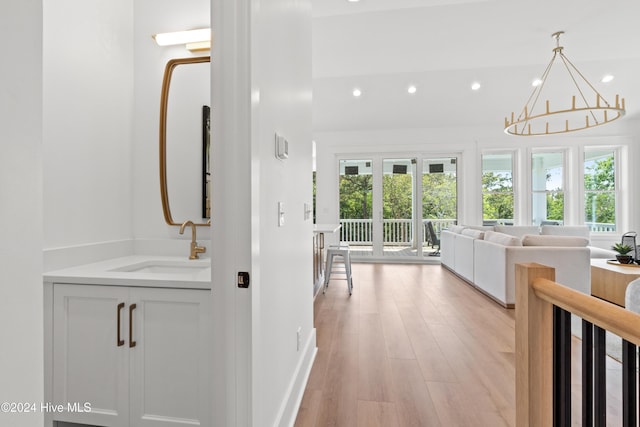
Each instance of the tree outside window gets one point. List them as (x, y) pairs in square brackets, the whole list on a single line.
[(600, 190), (497, 188)]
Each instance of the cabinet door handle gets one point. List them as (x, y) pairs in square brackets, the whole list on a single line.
[(120, 342), (132, 343)]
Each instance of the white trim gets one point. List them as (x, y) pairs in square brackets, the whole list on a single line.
[(293, 398)]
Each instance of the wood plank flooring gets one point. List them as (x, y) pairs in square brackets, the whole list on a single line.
[(416, 346)]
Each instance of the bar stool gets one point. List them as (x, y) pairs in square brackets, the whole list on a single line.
[(344, 267)]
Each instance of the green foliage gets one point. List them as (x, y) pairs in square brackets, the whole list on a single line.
[(396, 196), (497, 197), (622, 249), (599, 184), (439, 196), (355, 196), (555, 205)]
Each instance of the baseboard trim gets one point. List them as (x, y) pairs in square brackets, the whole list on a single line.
[(482, 291), (291, 403)]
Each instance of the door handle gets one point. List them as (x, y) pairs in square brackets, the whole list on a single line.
[(120, 342), (132, 343)]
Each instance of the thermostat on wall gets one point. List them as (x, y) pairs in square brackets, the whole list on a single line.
[(282, 147)]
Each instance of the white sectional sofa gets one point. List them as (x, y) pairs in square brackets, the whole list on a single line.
[(486, 256)]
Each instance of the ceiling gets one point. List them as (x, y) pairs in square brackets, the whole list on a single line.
[(442, 46)]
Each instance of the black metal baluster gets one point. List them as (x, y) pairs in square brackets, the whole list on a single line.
[(628, 384), (561, 367), (587, 374), (600, 377)]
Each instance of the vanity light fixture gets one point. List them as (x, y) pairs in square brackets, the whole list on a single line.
[(584, 106), (194, 40)]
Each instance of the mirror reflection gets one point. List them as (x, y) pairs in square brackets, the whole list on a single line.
[(184, 141)]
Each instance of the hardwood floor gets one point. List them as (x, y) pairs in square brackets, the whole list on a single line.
[(415, 346)]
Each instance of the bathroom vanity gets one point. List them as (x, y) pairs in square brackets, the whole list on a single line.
[(128, 343)]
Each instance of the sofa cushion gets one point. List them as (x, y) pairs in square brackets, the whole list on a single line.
[(518, 230), (476, 234), (456, 228), (502, 238), (566, 230), (565, 241)]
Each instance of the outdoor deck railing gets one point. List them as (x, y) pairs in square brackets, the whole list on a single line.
[(400, 231), (394, 231)]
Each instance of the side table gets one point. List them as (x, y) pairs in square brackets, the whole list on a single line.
[(609, 280)]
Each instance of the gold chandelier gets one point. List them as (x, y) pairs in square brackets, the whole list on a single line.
[(575, 115)]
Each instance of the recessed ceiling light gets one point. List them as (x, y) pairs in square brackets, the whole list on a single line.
[(475, 86), (607, 78), (536, 82), (412, 89), (357, 92), (353, 1)]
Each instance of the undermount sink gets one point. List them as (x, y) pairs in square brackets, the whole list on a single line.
[(166, 267)]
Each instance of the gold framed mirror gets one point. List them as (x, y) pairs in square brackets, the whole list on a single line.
[(168, 131)]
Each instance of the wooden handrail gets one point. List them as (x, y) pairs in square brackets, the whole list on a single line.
[(536, 294), (615, 319)]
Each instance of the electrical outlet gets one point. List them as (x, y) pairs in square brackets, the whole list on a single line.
[(298, 338)]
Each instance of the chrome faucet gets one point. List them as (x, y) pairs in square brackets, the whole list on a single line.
[(195, 249)]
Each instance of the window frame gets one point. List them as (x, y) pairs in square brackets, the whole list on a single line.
[(617, 192), (514, 182)]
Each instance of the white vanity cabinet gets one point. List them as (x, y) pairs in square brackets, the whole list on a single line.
[(139, 356)]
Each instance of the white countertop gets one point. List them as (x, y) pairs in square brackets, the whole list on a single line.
[(187, 274), (326, 228)]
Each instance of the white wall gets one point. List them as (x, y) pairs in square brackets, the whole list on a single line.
[(88, 116), (469, 143), (281, 68), (261, 85), (21, 362)]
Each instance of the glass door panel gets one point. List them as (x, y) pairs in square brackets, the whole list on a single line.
[(356, 199), (439, 200), (398, 207)]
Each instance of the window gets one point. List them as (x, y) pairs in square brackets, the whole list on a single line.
[(497, 188), (547, 183), (600, 190)]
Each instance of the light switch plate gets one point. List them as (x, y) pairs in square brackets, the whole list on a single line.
[(282, 147), (280, 214)]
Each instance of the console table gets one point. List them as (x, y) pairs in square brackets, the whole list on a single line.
[(609, 281)]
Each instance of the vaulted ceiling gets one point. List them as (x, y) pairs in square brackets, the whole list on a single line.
[(443, 46)]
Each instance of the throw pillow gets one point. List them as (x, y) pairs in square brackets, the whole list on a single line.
[(456, 228), (502, 239), (476, 234), (566, 230)]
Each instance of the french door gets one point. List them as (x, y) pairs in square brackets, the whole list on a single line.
[(386, 203)]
